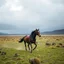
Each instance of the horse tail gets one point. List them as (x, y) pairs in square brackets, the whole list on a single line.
[(21, 40)]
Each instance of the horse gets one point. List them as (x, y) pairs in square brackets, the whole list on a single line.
[(31, 39)]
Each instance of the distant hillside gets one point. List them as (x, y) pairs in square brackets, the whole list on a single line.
[(54, 32), (3, 33)]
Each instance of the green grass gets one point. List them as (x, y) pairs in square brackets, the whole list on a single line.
[(46, 54)]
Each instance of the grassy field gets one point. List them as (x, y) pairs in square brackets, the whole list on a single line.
[(50, 50)]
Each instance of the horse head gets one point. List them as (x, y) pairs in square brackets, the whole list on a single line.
[(38, 32)]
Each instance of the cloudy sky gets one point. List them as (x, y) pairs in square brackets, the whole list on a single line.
[(23, 16)]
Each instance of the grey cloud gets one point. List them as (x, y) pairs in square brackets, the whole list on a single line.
[(43, 14)]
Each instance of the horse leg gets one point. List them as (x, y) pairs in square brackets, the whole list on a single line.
[(35, 46), (31, 47), (25, 46), (28, 46)]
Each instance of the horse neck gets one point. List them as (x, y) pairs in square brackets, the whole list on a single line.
[(34, 35)]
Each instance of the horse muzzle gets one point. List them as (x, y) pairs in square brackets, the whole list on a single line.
[(39, 35)]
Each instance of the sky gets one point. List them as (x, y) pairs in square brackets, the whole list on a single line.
[(23, 16)]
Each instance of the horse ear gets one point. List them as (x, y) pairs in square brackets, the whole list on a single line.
[(37, 29)]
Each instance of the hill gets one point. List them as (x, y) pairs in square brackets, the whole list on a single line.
[(54, 32), (1, 33)]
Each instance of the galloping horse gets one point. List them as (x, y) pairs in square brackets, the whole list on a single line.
[(31, 39)]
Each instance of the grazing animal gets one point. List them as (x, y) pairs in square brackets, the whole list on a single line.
[(31, 39)]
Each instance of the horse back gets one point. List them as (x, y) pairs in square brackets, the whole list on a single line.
[(27, 38)]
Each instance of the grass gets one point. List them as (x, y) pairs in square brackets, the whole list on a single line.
[(47, 54)]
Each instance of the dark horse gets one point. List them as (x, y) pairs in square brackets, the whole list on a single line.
[(31, 40)]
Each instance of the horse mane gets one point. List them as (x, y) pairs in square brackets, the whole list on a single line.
[(33, 35)]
